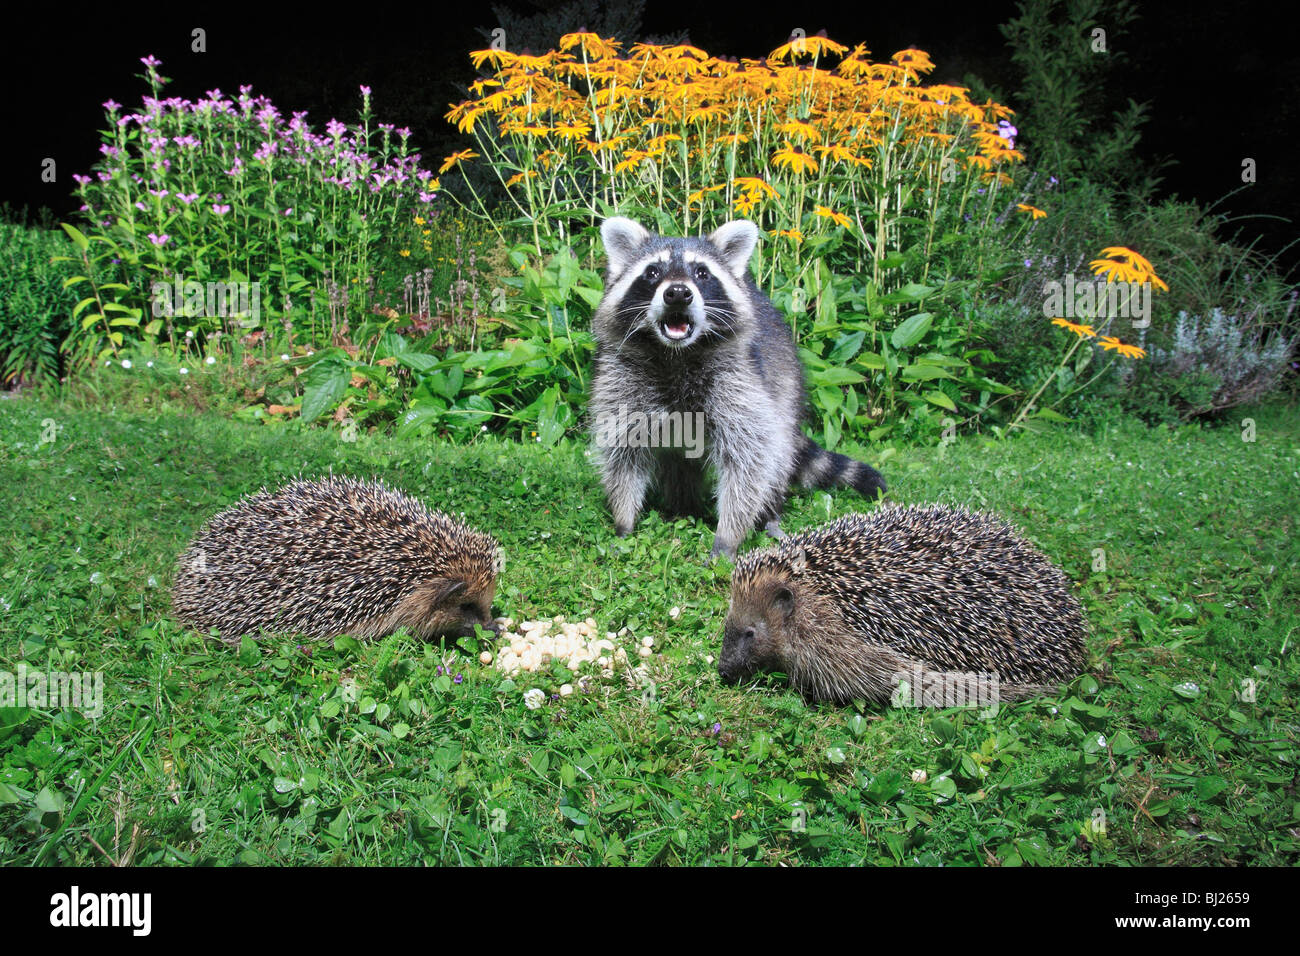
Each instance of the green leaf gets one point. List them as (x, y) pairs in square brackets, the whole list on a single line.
[(324, 387), (834, 375), (76, 236), (846, 346), (911, 331), (917, 372), (936, 397)]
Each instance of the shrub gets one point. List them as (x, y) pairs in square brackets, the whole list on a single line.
[(34, 305), (1213, 364), (226, 190)]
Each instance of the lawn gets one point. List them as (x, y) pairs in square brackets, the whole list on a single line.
[(1176, 746)]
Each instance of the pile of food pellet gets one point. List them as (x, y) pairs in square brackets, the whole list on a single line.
[(535, 644)]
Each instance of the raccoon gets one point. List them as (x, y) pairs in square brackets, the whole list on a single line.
[(684, 336)]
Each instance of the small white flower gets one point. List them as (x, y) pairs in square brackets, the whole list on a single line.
[(152, 581), (675, 613), (148, 364), (310, 352), (184, 370), (189, 334), (126, 363), (482, 428), (284, 357), (210, 360), (534, 698)]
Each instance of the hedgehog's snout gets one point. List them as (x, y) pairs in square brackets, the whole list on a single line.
[(737, 660)]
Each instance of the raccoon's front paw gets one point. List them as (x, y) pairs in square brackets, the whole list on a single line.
[(720, 548)]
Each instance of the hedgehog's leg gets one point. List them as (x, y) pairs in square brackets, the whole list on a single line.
[(626, 473)]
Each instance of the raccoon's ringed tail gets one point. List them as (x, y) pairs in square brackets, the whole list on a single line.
[(816, 467)]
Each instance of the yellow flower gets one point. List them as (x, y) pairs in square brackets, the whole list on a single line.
[(796, 160), (794, 235), (404, 252), (456, 159), (794, 127), (419, 221), (520, 177), (744, 204), (754, 187), (1124, 265), (1034, 212), (1109, 342), (837, 217), (593, 45), (1082, 331), (805, 46)]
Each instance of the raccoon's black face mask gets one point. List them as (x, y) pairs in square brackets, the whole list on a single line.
[(677, 291)]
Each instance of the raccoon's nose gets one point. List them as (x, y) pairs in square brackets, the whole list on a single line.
[(677, 294)]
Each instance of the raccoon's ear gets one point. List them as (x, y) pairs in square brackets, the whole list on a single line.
[(623, 238), (736, 241)]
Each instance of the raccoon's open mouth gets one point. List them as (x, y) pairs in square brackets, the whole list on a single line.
[(676, 328)]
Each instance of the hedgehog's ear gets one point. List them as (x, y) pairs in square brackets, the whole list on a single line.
[(623, 238), (736, 241), (442, 588), (783, 601)]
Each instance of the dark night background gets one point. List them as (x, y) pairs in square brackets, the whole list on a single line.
[(1221, 78)]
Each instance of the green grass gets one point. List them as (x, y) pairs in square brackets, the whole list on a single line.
[(263, 754)]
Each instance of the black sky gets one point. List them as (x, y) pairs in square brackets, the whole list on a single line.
[(1221, 77)]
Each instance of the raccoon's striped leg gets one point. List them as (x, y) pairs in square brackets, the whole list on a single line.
[(746, 495), (818, 468), (626, 473)]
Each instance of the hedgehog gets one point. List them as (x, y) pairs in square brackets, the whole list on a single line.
[(951, 601), (336, 556)]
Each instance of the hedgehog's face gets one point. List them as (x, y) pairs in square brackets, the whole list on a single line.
[(755, 635), (450, 608)]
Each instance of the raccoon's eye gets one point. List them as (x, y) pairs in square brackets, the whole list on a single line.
[(652, 274), (701, 273)]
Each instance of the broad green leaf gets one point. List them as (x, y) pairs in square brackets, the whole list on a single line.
[(911, 331)]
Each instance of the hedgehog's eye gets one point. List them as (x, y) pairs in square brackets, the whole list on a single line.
[(701, 273), (749, 634), (469, 607), (652, 274)]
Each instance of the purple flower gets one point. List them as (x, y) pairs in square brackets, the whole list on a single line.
[(1028, 263), (335, 128), (111, 106), (427, 197), (159, 240), (365, 91), (150, 60), (83, 180), (458, 679), (220, 210), (1053, 180), (187, 198), (236, 169), (716, 729), (404, 132), (439, 670)]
